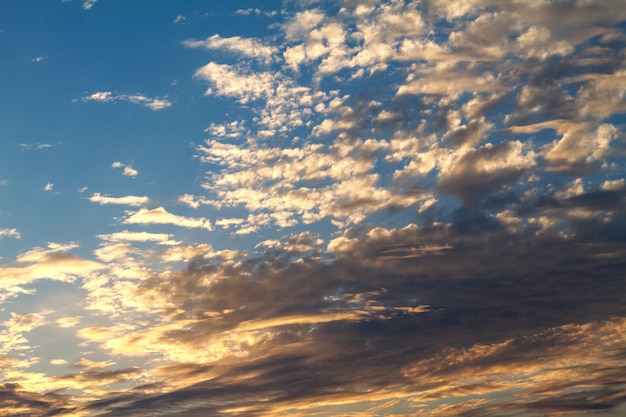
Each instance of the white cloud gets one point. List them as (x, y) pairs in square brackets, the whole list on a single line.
[(88, 4), (10, 233), (229, 81), (48, 186), (45, 263), (149, 102), (161, 216), (130, 200), (100, 96), (128, 170), (34, 146), (127, 236), (247, 47), (256, 12)]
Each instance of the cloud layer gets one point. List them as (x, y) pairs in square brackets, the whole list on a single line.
[(406, 208)]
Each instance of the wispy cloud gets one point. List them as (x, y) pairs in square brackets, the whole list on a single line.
[(161, 216), (88, 4), (44, 263), (34, 146), (247, 47), (129, 200), (256, 12), (9, 233), (109, 97), (48, 187)]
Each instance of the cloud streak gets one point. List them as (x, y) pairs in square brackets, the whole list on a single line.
[(161, 216), (129, 200), (149, 102)]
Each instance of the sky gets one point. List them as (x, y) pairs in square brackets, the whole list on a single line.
[(313, 208)]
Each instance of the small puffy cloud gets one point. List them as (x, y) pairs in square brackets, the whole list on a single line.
[(149, 102), (100, 96), (48, 186), (161, 216), (38, 59), (130, 200), (127, 169), (612, 185), (180, 19)]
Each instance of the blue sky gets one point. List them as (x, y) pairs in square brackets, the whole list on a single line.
[(307, 207)]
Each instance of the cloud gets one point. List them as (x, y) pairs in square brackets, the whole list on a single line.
[(161, 216), (48, 186), (256, 12), (10, 233), (34, 146), (481, 171), (580, 144), (298, 243), (484, 327), (149, 102), (246, 47), (65, 322), (88, 4), (40, 263), (161, 238), (438, 193), (229, 81), (130, 200), (128, 170)]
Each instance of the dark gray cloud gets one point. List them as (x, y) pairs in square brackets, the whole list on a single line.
[(545, 299)]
